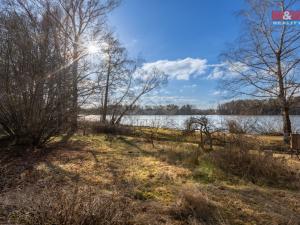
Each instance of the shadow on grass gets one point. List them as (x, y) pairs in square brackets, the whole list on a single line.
[(182, 156), (259, 205), (130, 143), (171, 156), (18, 162)]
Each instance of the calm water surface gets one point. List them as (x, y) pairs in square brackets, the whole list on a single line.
[(273, 123)]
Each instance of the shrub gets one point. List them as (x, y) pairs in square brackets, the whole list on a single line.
[(241, 126), (90, 127), (72, 207), (194, 207), (243, 141), (268, 127), (234, 127), (257, 167), (34, 105)]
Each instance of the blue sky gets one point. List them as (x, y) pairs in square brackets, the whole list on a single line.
[(182, 37)]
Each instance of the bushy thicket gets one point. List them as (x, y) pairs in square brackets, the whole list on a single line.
[(75, 206), (34, 94), (257, 167)]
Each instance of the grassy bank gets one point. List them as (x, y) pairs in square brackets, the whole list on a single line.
[(146, 178)]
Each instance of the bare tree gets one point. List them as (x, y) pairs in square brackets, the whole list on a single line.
[(140, 83), (207, 134), (206, 129), (265, 61), (113, 74), (81, 22), (121, 82)]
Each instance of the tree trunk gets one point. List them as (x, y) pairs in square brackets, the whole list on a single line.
[(287, 128), (74, 122), (127, 108), (283, 103), (104, 110)]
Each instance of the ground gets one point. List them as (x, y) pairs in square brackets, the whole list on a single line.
[(152, 175)]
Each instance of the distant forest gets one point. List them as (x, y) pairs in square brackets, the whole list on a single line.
[(236, 107), (256, 107)]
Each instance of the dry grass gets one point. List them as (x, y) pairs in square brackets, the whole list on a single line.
[(73, 206), (257, 167), (129, 172), (194, 207)]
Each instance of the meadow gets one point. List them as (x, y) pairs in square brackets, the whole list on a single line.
[(149, 177)]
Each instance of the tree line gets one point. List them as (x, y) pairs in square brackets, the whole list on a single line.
[(256, 107), (170, 109), (234, 107)]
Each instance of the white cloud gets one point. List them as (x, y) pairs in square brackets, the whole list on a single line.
[(237, 67), (170, 99), (216, 93), (227, 70), (184, 69), (217, 73), (219, 93), (181, 69)]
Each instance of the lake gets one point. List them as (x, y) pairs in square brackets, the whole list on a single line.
[(267, 123)]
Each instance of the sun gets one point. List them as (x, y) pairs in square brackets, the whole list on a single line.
[(92, 48)]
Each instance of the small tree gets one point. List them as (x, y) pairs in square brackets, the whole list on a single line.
[(206, 129)]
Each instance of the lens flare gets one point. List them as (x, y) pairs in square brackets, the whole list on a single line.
[(92, 48)]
